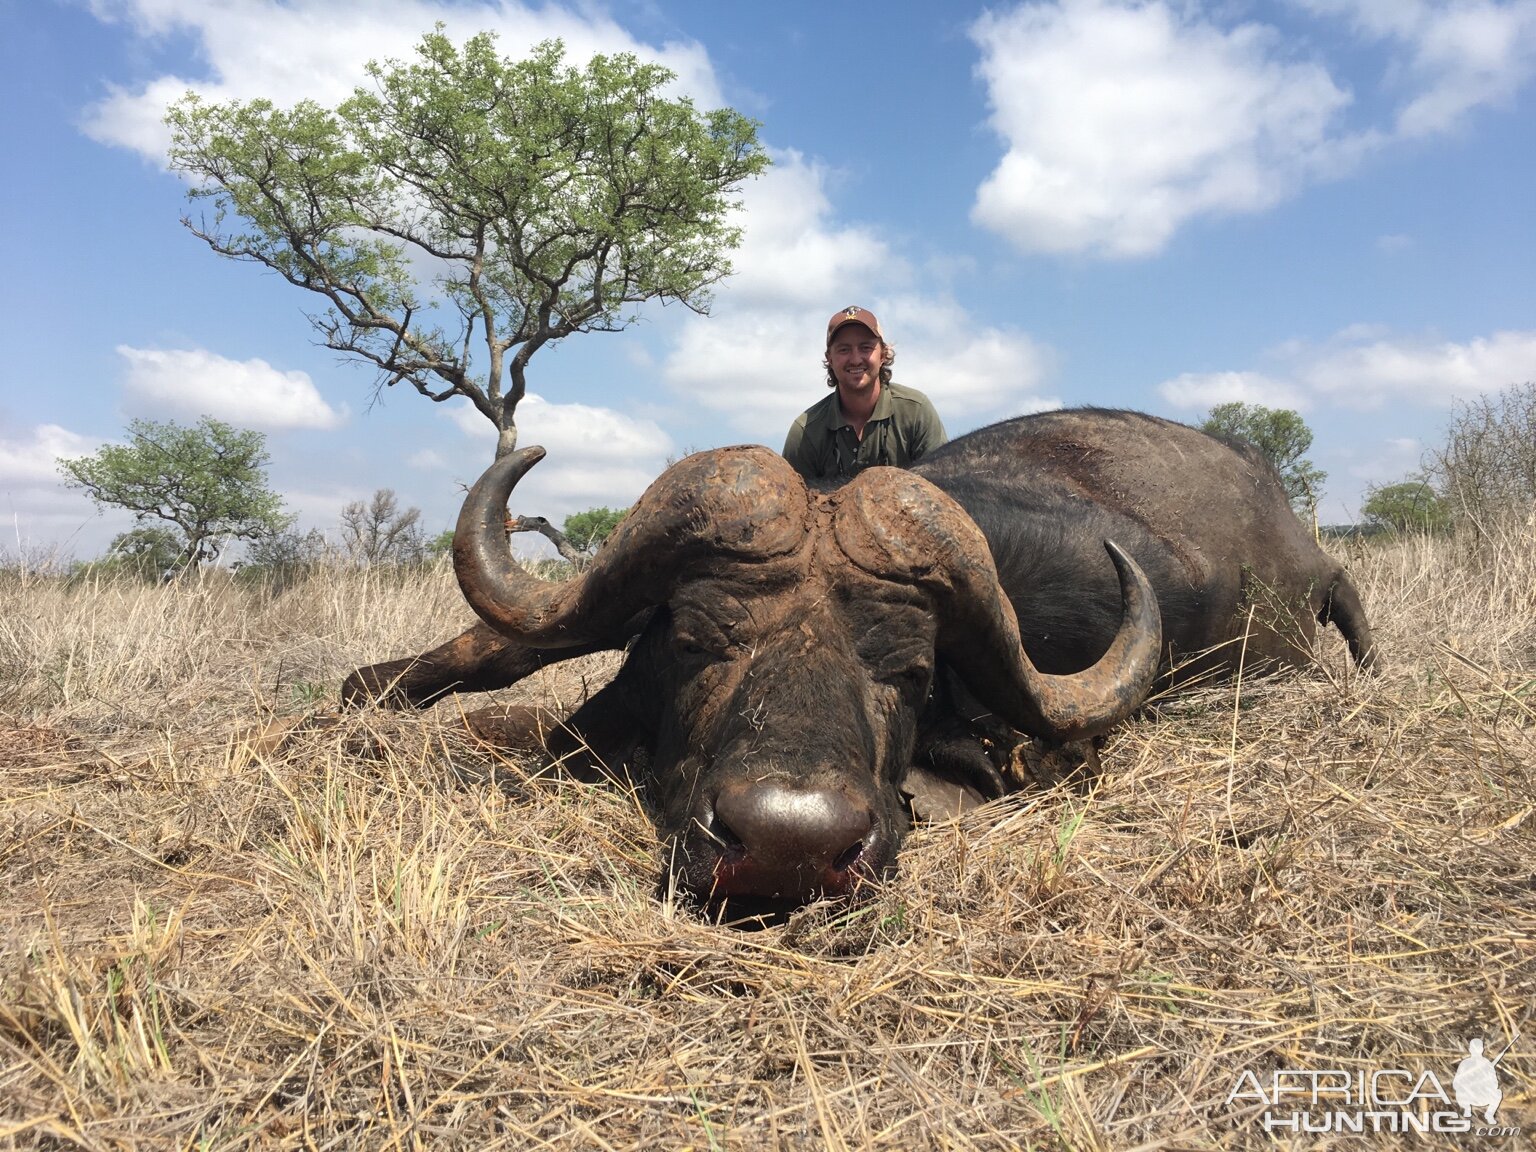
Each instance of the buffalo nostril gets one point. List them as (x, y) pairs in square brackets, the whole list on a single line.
[(849, 858), (721, 835), (785, 826)]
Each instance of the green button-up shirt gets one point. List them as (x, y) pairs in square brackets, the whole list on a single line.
[(902, 429)]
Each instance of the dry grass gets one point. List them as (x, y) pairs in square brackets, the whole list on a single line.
[(364, 942)]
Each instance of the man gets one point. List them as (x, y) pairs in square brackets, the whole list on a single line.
[(867, 420)]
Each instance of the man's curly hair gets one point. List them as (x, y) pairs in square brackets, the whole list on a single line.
[(885, 366)]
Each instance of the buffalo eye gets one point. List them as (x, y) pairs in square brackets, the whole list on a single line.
[(910, 678), (693, 650), (701, 648)]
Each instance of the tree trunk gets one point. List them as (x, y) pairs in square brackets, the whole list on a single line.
[(506, 439), (189, 559)]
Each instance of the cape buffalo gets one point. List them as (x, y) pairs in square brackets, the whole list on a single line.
[(799, 658)]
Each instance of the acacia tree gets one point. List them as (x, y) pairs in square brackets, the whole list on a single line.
[(209, 483), (587, 530), (1282, 436), (535, 199), (1408, 506)]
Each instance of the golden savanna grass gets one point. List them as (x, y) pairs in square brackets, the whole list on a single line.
[(374, 937)]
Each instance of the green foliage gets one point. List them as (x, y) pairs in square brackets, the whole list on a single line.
[(1282, 436), (551, 199), (208, 482), (441, 544), (284, 560), (145, 554), (1410, 506), (587, 530), (148, 549)]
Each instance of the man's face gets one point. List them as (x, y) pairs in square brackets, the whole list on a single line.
[(856, 355)]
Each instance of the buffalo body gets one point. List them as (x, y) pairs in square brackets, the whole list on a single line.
[(802, 662)]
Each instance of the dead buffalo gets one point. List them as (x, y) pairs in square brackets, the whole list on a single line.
[(799, 659)]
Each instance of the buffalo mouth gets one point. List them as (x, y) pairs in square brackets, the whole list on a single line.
[(751, 906), (777, 843)]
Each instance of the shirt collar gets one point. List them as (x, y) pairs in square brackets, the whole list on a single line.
[(881, 412)]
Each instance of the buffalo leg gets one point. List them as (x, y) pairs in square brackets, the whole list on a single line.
[(477, 660)]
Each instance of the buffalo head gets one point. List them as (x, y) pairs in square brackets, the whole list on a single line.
[(789, 642)]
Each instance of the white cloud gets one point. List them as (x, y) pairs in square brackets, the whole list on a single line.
[(316, 49), (1368, 373), (756, 360), (426, 460), (34, 460), (36, 506), (756, 369), (791, 252), (1449, 57), (592, 434), (596, 456), (572, 429), (1388, 461), (971, 372), (1122, 122), (249, 393), (1205, 390), (1366, 367)]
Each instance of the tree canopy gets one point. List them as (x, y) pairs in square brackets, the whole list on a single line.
[(208, 482), (1409, 506), (470, 209), (587, 530), (1282, 436)]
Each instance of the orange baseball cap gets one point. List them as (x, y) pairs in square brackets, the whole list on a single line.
[(853, 314)]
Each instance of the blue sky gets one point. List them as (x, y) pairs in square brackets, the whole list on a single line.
[(1318, 204)]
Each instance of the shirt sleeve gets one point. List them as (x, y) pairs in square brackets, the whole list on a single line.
[(930, 431), (797, 452)]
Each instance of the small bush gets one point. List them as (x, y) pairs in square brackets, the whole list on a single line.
[(1486, 469)]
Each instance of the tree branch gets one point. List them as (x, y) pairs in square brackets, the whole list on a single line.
[(547, 530)]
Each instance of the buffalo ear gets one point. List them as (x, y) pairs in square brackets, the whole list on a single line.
[(935, 798), (951, 771)]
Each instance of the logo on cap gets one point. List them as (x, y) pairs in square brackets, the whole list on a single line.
[(853, 314)]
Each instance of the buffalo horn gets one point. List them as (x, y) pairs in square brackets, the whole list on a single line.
[(898, 526), (741, 503)]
